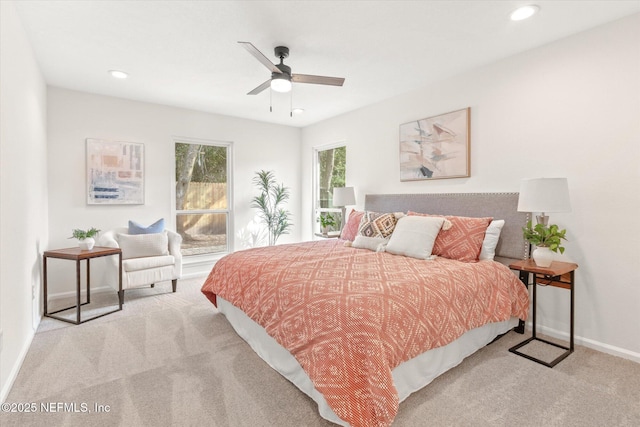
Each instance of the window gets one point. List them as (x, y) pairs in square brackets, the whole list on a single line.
[(330, 166), (203, 196)]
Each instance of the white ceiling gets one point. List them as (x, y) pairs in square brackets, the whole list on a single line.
[(185, 53)]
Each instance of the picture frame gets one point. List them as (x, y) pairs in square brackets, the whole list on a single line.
[(115, 172), (436, 147)]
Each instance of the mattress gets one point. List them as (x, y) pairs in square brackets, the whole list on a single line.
[(350, 316), (408, 377)]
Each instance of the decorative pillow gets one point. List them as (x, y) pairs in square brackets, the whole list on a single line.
[(375, 224), (156, 227), (143, 245), (375, 229), (414, 236), (350, 230), (463, 241), (375, 244), (491, 238)]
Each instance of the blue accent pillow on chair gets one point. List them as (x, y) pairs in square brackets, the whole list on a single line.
[(156, 227)]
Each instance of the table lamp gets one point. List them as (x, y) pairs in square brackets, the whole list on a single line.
[(343, 196), (544, 195)]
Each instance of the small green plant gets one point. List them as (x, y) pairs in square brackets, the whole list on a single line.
[(545, 236), (327, 220), (269, 202), (82, 234)]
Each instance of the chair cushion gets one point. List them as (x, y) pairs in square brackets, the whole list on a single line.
[(136, 264), (143, 245)]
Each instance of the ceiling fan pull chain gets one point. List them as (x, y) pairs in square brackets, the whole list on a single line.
[(271, 100), (291, 102)]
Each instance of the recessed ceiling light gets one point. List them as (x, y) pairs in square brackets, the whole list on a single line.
[(298, 111), (118, 74), (524, 12)]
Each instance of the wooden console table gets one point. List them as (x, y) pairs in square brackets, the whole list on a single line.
[(77, 255)]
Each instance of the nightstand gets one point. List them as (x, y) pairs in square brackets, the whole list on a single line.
[(559, 274), (332, 235), (78, 255)]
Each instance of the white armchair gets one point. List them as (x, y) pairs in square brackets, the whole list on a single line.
[(146, 258)]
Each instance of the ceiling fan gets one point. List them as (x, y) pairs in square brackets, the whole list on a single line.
[(281, 77)]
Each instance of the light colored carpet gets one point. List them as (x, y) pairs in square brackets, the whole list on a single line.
[(173, 360)]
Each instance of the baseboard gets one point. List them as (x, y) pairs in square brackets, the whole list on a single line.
[(107, 288), (193, 275), (15, 369), (589, 343), (197, 266), (83, 292)]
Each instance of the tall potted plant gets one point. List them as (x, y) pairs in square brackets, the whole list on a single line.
[(547, 239), (269, 203)]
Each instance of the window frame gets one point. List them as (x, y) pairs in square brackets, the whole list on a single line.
[(316, 210), (199, 258)]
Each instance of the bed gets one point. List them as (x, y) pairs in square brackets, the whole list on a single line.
[(359, 330)]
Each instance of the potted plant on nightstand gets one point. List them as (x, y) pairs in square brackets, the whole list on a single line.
[(326, 220), (85, 238), (547, 239)]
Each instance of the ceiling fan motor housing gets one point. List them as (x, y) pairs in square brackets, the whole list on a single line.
[(285, 70), (281, 52)]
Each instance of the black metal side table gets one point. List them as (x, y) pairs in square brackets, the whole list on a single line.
[(78, 255), (559, 274)]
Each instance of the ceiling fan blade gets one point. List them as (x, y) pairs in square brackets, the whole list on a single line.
[(260, 88), (260, 57), (318, 80)]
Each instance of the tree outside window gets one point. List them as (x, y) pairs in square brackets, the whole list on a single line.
[(331, 167), (202, 197)]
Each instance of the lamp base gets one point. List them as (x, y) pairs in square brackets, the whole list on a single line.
[(542, 219)]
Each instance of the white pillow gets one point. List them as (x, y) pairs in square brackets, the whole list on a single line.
[(375, 244), (490, 241), (414, 236), (143, 245)]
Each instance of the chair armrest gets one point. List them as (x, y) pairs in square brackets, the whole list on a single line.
[(175, 240), (108, 239), (110, 275)]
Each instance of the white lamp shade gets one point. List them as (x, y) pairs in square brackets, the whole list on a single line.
[(344, 196), (544, 195)]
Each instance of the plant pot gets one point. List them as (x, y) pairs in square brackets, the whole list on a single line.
[(86, 244), (543, 256)]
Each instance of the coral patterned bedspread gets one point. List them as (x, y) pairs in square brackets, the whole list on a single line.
[(349, 316)]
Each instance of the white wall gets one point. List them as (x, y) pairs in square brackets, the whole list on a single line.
[(74, 116), (569, 109), (23, 193)]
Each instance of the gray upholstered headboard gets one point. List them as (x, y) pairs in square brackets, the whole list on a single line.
[(496, 205)]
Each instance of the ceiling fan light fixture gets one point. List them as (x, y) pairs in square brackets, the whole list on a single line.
[(281, 83), (524, 12)]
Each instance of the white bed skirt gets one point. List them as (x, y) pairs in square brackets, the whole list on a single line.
[(408, 377)]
